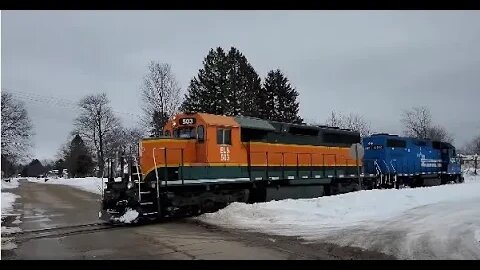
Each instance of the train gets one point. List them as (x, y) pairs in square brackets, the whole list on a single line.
[(204, 162)]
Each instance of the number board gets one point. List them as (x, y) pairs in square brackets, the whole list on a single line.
[(187, 121), (374, 147)]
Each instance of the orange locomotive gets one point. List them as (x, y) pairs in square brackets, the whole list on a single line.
[(205, 162)]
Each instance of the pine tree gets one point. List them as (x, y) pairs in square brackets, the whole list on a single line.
[(244, 85), (226, 85), (78, 160), (33, 169), (253, 100), (235, 92), (270, 96), (206, 92), (281, 98), (157, 123)]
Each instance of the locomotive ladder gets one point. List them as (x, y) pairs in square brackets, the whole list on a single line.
[(143, 200), (394, 173)]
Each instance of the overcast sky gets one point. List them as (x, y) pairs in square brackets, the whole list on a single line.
[(375, 63)]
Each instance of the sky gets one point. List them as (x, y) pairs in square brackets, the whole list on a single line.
[(373, 63)]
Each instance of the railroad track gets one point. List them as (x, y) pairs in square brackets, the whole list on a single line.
[(61, 231)]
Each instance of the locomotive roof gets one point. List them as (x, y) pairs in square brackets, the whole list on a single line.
[(253, 122), (218, 120), (443, 144), (262, 124)]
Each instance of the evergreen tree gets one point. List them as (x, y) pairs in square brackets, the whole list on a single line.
[(33, 169), (235, 91), (206, 92), (157, 123), (281, 98), (229, 85), (226, 85), (252, 100), (78, 160)]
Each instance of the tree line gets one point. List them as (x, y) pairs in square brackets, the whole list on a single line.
[(417, 122), (226, 84)]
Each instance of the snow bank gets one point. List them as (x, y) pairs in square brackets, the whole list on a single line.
[(89, 184), (8, 244), (10, 230), (333, 211), (128, 217), (8, 199), (7, 202), (356, 218), (13, 183)]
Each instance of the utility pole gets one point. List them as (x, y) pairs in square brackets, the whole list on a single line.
[(475, 163)]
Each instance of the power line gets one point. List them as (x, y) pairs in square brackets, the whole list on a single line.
[(65, 103)]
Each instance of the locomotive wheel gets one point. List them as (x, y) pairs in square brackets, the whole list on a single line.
[(459, 179)]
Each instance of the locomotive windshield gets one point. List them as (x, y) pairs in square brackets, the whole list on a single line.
[(185, 133)]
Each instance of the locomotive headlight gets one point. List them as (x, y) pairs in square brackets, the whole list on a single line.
[(153, 185), (129, 185)]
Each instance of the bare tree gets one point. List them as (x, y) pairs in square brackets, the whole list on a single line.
[(16, 129), (97, 125), (334, 120), (473, 147), (439, 133), (132, 136), (357, 123), (418, 124), (350, 121), (161, 96)]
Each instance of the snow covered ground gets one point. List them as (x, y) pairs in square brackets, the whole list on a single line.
[(9, 185), (8, 199), (7, 202), (441, 222), (90, 184)]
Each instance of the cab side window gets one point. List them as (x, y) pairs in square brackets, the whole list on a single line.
[(224, 136), (201, 133), (396, 143)]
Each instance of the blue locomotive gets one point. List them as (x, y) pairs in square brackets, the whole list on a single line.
[(408, 161)]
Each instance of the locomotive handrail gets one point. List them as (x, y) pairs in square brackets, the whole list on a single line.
[(268, 155), (166, 168), (311, 165), (139, 179), (386, 166), (180, 165), (377, 166), (394, 170), (156, 176)]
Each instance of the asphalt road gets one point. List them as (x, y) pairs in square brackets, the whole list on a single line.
[(47, 206)]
